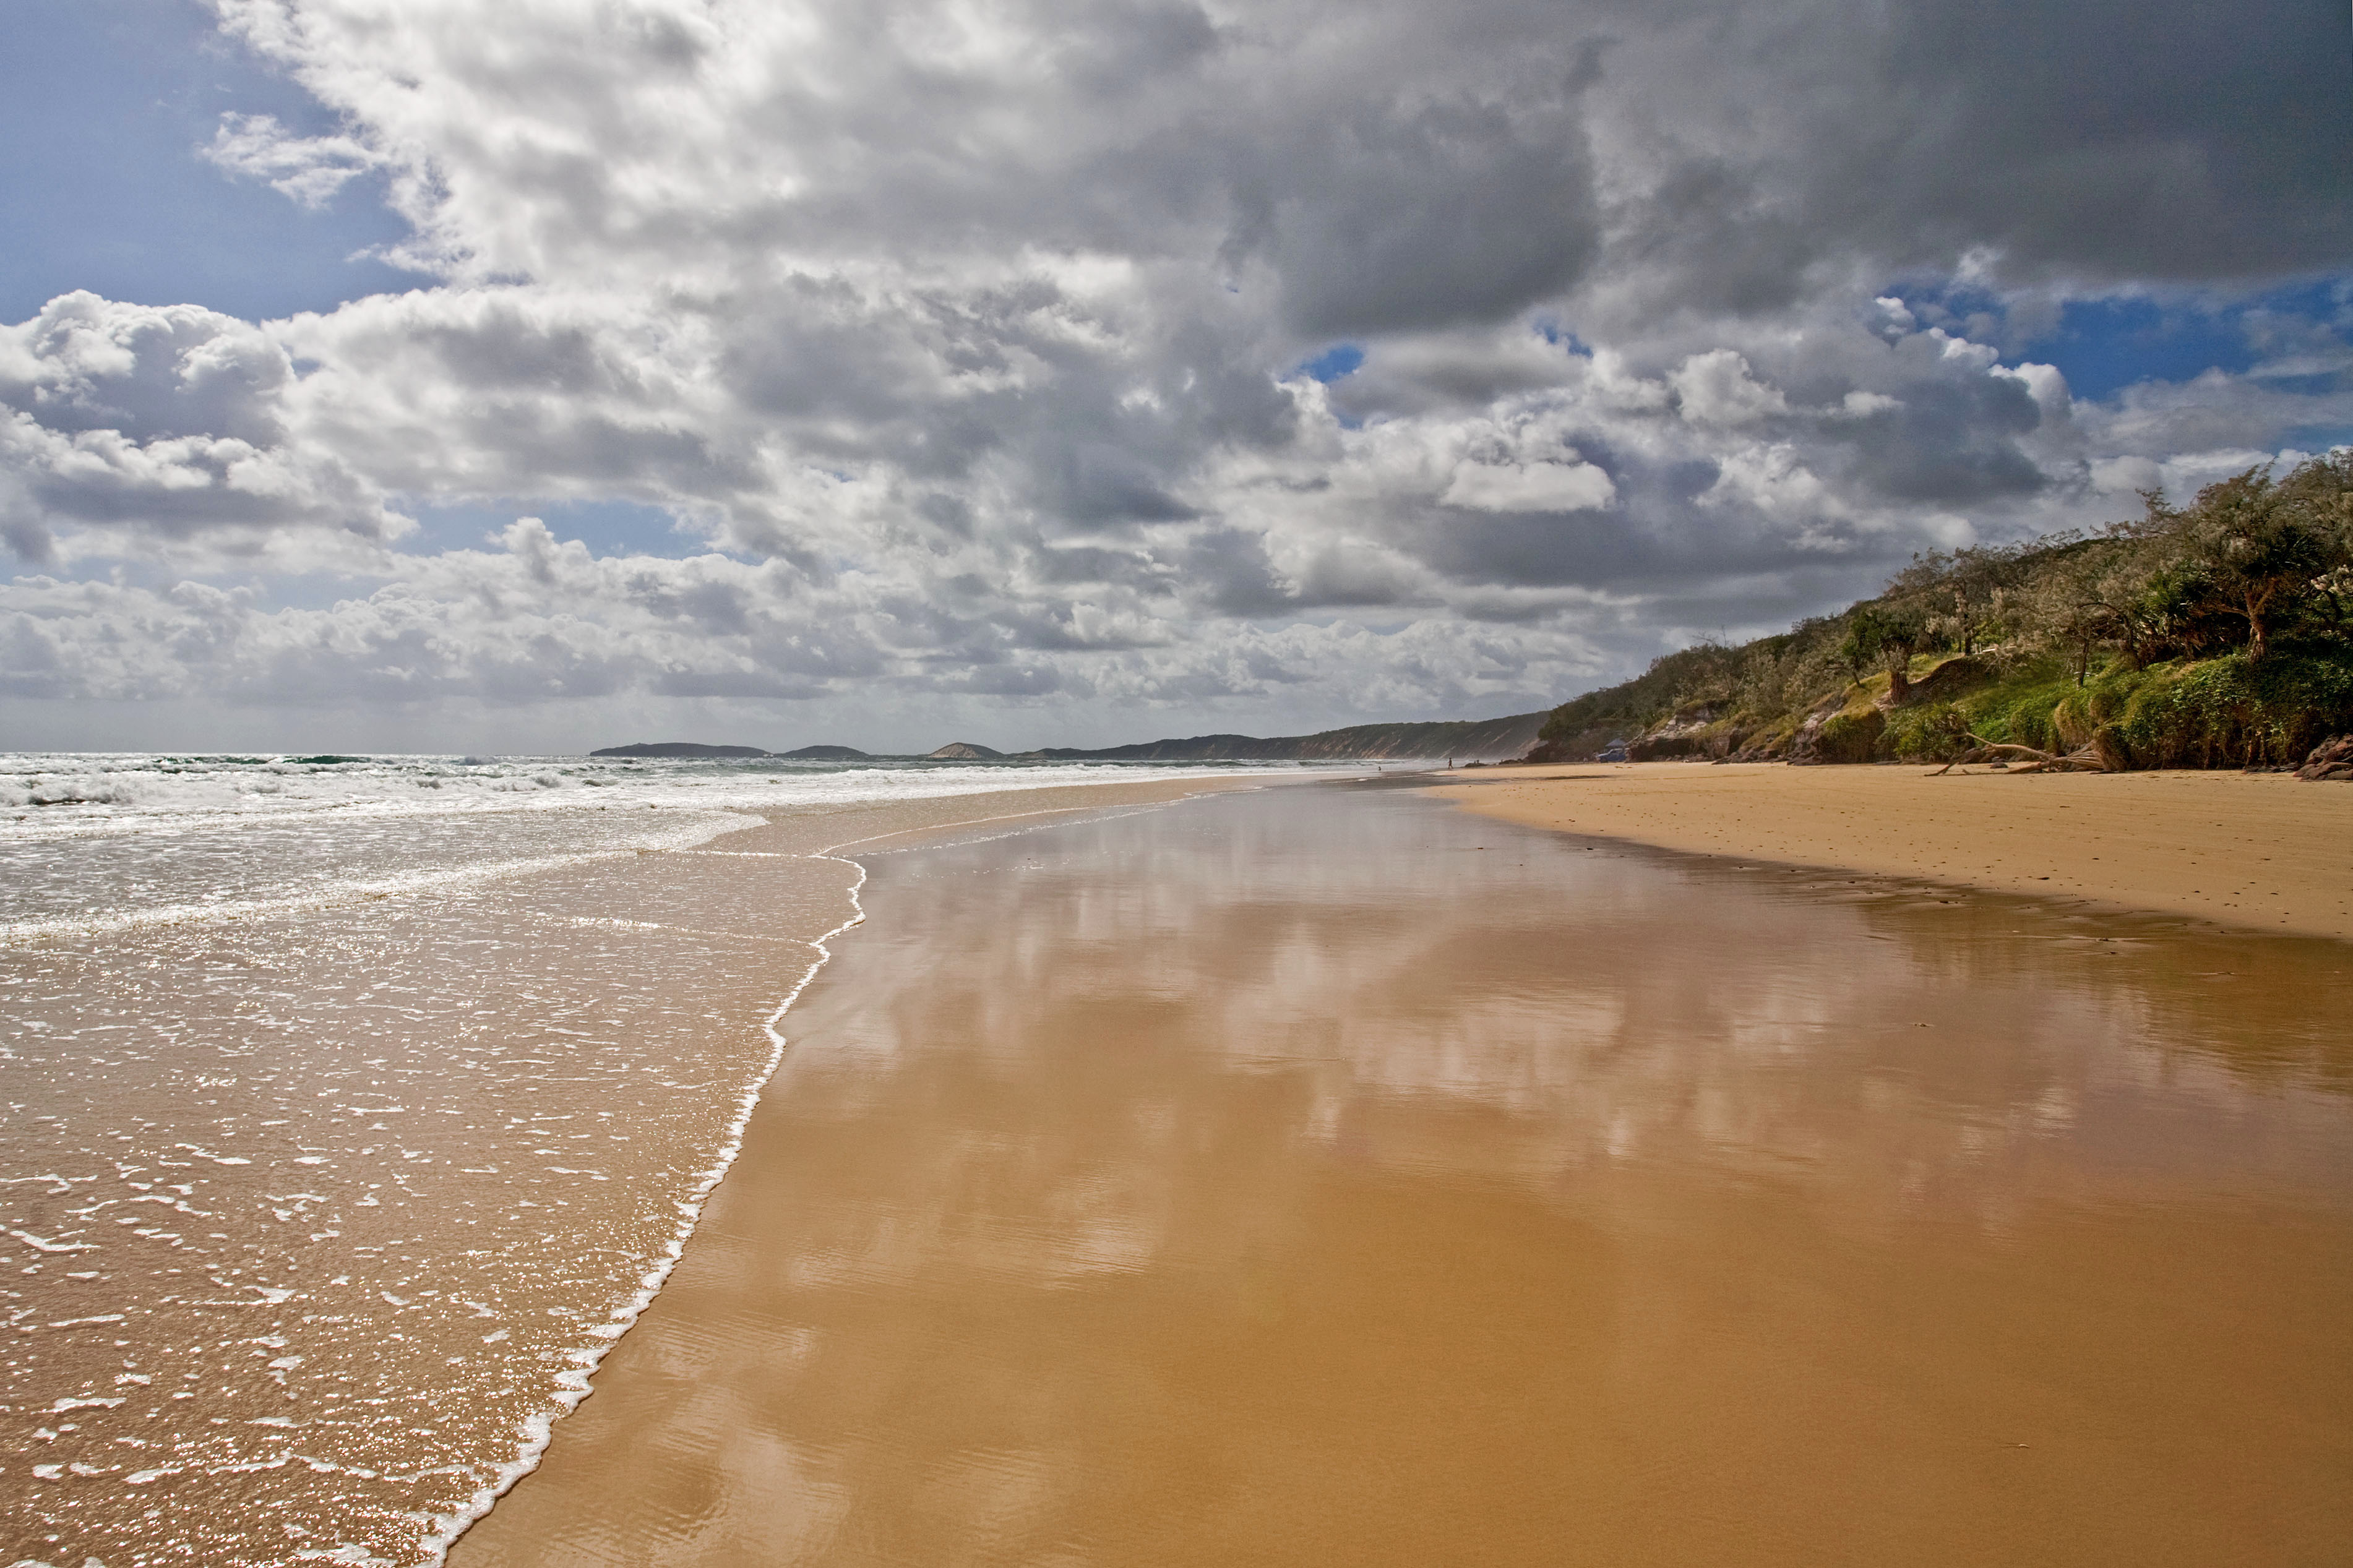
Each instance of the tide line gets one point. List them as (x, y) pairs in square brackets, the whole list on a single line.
[(575, 1384), (1108, 812)]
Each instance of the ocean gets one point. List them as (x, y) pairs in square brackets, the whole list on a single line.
[(355, 1106)]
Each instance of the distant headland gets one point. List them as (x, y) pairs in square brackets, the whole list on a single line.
[(1466, 739)]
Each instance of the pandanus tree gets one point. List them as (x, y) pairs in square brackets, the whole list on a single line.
[(2262, 547), (1887, 631), (1962, 593), (2093, 594)]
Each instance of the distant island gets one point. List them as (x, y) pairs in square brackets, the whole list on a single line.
[(673, 749), (826, 754)]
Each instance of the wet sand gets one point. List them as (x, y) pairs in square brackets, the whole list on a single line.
[(1327, 1176), (2262, 849), (311, 1216)]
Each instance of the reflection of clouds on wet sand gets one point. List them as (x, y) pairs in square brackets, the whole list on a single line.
[(1900, 1050), (1321, 1176)]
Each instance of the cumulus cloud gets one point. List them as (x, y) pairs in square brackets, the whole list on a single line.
[(133, 425), (961, 343), (1717, 388), (1530, 487)]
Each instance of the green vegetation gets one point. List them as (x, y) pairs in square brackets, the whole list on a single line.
[(2215, 634)]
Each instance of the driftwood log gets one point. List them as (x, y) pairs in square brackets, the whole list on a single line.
[(2089, 759)]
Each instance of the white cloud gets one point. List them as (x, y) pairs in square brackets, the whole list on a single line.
[(2045, 384), (960, 340), (1717, 388), (134, 429), (1530, 487), (310, 169), (2124, 476)]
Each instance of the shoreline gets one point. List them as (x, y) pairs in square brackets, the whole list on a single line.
[(2263, 852), (802, 835), (435, 1100), (573, 1386), (1188, 1184)]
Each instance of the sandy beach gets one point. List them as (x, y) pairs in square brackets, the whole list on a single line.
[(763, 786), (1325, 1174), (320, 1199), (2265, 850)]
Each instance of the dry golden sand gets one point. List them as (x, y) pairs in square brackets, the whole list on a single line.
[(2266, 850)]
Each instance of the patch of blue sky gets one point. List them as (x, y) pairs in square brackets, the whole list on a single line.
[(2104, 344), (606, 527), (1559, 336), (2317, 438), (1339, 360), (105, 106)]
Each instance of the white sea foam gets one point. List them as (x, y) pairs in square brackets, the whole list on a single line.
[(91, 845), (53, 794), (539, 1429), (319, 1135)]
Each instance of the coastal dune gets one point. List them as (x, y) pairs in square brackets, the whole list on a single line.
[(2265, 850)]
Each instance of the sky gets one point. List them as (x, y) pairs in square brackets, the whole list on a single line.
[(419, 376)]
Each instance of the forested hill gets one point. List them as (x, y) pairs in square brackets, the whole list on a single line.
[(1489, 740), (2218, 634)]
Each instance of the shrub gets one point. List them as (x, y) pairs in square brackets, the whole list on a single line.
[(1850, 736), (2117, 641), (2234, 709), (1931, 732), (2019, 713), (2081, 712)]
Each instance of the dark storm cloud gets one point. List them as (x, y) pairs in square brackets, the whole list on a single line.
[(1105, 483), (1227, 569), (1085, 563), (1399, 219), (1672, 544), (2175, 141), (1951, 445)]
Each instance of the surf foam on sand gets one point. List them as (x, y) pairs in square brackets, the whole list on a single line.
[(345, 1136)]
